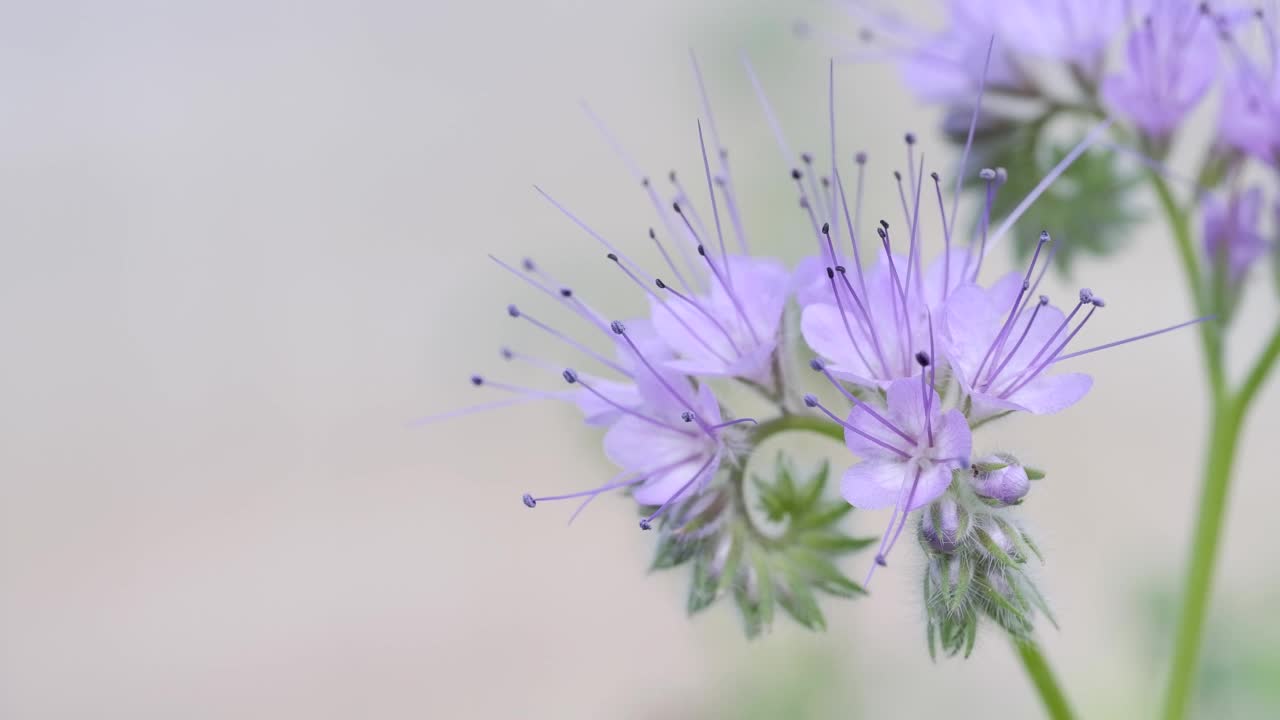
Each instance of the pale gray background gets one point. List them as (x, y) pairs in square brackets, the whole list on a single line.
[(244, 243)]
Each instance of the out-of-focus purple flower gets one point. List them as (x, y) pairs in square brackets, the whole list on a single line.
[(946, 65), (1074, 31), (1231, 231), (1171, 59), (1250, 116)]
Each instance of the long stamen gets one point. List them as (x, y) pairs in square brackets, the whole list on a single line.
[(578, 307), (946, 238), (731, 423), (621, 330), (515, 312), (816, 182), (897, 519), (478, 381), (646, 523), (1135, 338), (821, 367), (706, 313), (573, 378), (812, 401), (726, 180), (482, 407), (860, 159), (587, 228), (805, 205), (914, 253), (867, 323), (900, 297), (968, 142), (1086, 297), (531, 501), (995, 375), (852, 223), (509, 354), (662, 248), (926, 394), (683, 323), (997, 344), (831, 278), (733, 298), (831, 117), (989, 177), (1096, 302), (715, 212)]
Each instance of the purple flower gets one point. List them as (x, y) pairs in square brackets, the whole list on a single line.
[(946, 66), (1171, 58), (1074, 31), (1001, 342), (733, 329), (1250, 116), (668, 447), (1231, 231), (908, 452)]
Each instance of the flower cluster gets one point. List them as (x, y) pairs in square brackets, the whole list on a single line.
[(916, 355), (1148, 64)]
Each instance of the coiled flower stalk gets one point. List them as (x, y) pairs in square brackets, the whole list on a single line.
[(977, 558)]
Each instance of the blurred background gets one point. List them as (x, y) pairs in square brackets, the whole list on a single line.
[(244, 246)]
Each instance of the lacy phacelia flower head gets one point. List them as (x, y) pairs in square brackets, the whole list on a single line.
[(1171, 58), (1233, 239)]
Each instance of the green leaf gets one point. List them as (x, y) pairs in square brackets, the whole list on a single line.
[(1033, 473), (1087, 210)]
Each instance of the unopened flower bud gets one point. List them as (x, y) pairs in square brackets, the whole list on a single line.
[(944, 524), (999, 480)]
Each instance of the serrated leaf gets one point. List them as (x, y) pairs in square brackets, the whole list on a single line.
[(822, 515), (1088, 209), (798, 600), (833, 542), (813, 489)]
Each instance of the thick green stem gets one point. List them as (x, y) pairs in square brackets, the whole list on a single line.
[(1224, 438), (1041, 675)]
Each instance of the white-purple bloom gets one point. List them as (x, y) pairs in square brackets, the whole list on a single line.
[(1233, 238), (907, 453), (1002, 340), (1171, 59)]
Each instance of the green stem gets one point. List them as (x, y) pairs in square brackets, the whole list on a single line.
[(1224, 437), (803, 423), (1210, 338), (1055, 701)]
